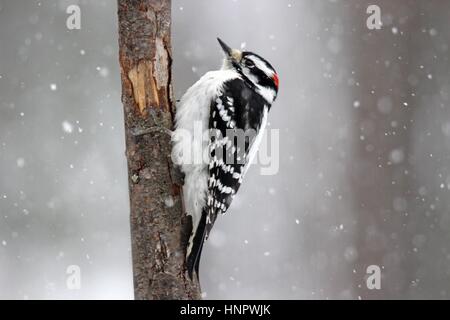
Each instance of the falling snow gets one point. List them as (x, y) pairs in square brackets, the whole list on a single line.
[(67, 127), (20, 162)]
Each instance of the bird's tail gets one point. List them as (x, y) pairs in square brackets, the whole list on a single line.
[(193, 258)]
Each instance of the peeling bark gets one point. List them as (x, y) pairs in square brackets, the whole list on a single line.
[(158, 226)]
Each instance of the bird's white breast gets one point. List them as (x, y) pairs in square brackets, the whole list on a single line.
[(255, 146), (193, 113)]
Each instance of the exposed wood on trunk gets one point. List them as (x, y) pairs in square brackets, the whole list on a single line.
[(158, 226)]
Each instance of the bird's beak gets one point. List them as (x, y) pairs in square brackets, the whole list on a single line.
[(230, 53)]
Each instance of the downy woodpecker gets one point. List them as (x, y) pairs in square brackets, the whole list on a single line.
[(227, 104)]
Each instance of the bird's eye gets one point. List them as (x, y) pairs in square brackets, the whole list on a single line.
[(249, 63)]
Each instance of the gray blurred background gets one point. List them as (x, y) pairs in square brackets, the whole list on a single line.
[(364, 179)]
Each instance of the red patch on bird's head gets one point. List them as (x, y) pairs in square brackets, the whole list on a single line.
[(276, 80)]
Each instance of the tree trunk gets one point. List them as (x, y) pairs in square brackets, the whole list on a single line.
[(381, 168), (158, 225)]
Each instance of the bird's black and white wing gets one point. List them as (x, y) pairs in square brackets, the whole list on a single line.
[(237, 119)]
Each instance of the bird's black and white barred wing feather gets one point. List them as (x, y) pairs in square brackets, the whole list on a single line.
[(237, 119)]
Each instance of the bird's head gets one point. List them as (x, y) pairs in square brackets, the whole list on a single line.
[(254, 68)]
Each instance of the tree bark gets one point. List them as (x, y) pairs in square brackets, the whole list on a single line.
[(158, 225)]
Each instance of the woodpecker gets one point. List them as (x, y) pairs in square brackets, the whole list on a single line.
[(225, 103)]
